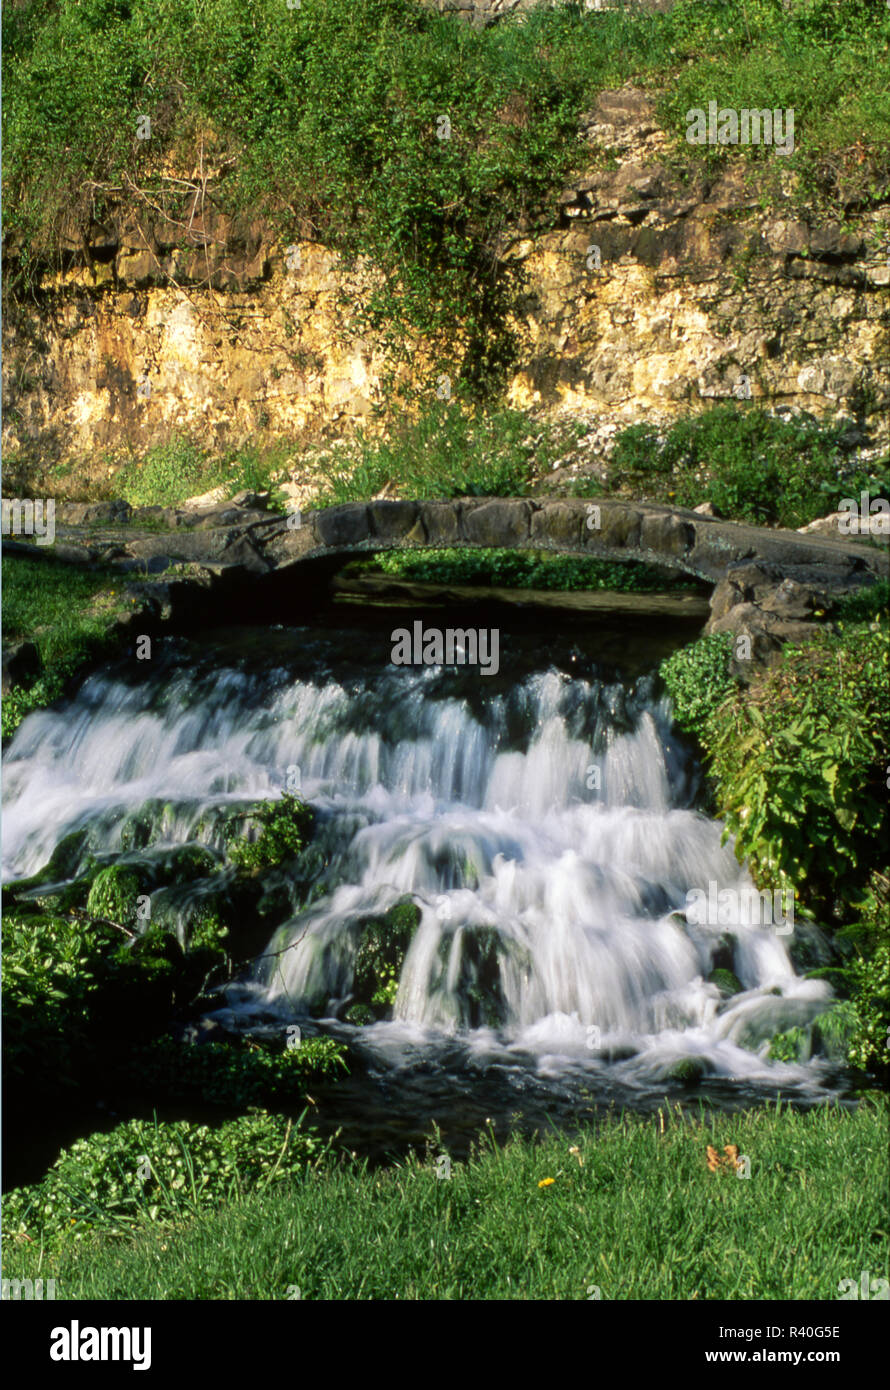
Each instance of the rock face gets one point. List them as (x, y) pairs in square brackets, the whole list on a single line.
[(769, 586), (645, 296)]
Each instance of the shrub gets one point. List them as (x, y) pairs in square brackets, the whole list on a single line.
[(447, 450), (799, 763), (330, 116), (865, 604), (235, 1075), (751, 465), (150, 1172), (698, 680)]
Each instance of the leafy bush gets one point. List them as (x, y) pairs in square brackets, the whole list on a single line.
[(525, 570), (148, 1172), (864, 604), (751, 465), (168, 473), (868, 981), (232, 1075), (800, 767), (75, 991), (699, 680), (448, 451), (284, 829)]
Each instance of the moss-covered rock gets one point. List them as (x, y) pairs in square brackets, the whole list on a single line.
[(283, 828), (359, 1015), (688, 1071), (113, 894), (726, 981), (479, 992), (381, 946)]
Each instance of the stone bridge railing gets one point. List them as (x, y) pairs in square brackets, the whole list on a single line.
[(769, 585)]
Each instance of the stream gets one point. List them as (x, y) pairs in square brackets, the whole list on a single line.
[(542, 819)]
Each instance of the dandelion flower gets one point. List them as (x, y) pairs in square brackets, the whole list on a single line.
[(546, 1182)]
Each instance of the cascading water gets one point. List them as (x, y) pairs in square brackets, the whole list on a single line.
[(541, 824)]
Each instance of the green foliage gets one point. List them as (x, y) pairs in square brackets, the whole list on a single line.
[(447, 451), (865, 604), (76, 992), (806, 54), (725, 980), (792, 1046), (330, 114), (232, 1075), (751, 465), (67, 612), (623, 1194), (699, 680), (169, 473), (49, 984), (113, 895), (145, 1172), (688, 1071), (869, 985), (799, 764), (865, 1016), (524, 569), (284, 828), (382, 946), (798, 761)]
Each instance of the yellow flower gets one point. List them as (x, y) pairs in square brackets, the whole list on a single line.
[(546, 1182)]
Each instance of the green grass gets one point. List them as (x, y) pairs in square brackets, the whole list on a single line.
[(327, 119), (168, 474), (448, 451), (639, 1217), (59, 607), (67, 612), (522, 570)]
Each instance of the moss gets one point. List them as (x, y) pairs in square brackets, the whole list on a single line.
[(284, 828), (113, 894), (382, 944), (478, 987), (726, 981), (359, 1015), (688, 1071)]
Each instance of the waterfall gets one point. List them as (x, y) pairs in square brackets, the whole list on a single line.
[(543, 829)]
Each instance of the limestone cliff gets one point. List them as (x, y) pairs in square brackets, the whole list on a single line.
[(649, 291)]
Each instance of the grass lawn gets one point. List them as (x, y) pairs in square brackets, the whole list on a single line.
[(67, 612), (632, 1211)]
